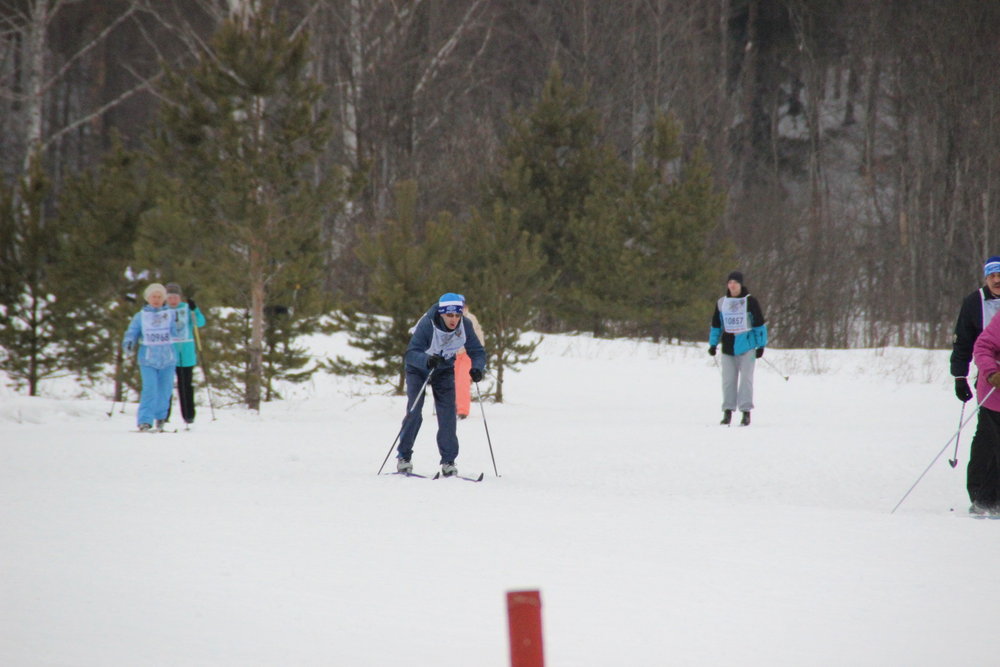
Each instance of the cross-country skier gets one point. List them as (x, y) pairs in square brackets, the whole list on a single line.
[(978, 309), (738, 323), (152, 331), (188, 317), (437, 337)]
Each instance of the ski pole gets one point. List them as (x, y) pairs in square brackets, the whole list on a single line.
[(201, 362), (768, 362), (488, 441), (954, 462), (954, 437), (406, 418)]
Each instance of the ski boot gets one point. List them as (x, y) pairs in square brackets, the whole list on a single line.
[(448, 469), (403, 466), (727, 417)]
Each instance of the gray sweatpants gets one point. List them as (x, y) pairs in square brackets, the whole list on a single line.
[(737, 381)]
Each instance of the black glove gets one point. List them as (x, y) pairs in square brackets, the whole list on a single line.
[(476, 374), (711, 350), (760, 352), (434, 360), (191, 304), (962, 389)]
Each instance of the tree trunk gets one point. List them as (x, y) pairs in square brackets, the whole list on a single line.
[(35, 75), (255, 374)]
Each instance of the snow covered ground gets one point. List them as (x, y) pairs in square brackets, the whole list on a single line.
[(655, 536)]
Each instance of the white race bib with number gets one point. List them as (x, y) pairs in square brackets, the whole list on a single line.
[(734, 314), (156, 327), (990, 308), (183, 317)]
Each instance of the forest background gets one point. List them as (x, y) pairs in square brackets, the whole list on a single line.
[(572, 165)]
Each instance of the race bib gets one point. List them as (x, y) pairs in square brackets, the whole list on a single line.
[(990, 308), (734, 314), (183, 325), (156, 327)]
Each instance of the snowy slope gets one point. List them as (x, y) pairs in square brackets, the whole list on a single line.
[(655, 536)]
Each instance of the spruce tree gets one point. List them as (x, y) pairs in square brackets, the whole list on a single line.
[(242, 198)]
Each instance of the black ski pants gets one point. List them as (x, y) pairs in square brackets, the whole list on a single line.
[(185, 392), (983, 473)]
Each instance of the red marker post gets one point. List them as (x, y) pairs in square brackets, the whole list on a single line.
[(524, 615)]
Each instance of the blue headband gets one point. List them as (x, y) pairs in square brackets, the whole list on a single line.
[(992, 266)]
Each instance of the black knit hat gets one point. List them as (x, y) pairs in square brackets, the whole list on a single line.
[(733, 275)]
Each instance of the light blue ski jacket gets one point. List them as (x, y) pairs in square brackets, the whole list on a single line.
[(154, 356)]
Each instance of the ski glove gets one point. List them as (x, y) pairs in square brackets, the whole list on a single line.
[(711, 350), (760, 352), (476, 374), (962, 390), (128, 346), (434, 360), (191, 304), (994, 380)]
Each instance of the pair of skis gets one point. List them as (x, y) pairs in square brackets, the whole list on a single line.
[(438, 475)]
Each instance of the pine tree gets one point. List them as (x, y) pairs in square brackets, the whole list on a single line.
[(101, 210), (678, 209), (241, 136), (30, 322), (406, 262), (555, 162), (505, 278)]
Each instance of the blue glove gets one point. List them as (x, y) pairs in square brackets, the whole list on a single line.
[(128, 346)]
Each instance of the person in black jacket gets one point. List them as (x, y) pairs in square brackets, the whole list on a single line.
[(738, 324), (430, 358), (978, 308)]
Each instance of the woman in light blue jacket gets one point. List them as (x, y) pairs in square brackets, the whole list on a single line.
[(151, 333), (188, 317)]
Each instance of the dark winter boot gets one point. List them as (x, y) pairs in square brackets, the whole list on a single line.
[(746, 418), (727, 417)]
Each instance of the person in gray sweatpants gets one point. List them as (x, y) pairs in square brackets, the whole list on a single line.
[(738, 324)]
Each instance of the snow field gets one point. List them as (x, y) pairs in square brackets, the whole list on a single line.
[(654, 535)]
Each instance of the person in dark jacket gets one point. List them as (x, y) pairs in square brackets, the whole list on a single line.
[(430, 358), (978, 309), (738, 324)]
